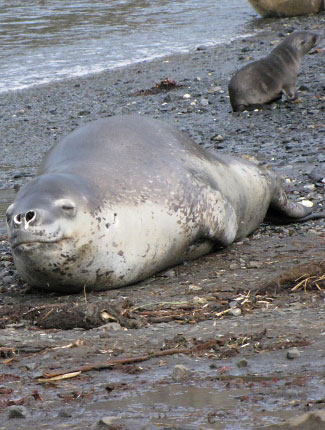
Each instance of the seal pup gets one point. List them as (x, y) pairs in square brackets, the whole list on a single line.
[(125, 197), (286, 8), (264, 80)]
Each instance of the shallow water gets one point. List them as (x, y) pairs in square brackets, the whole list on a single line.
[(190, 407), (45, 41)]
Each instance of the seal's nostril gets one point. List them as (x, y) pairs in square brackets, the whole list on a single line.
[(30, 215), (17, 219)]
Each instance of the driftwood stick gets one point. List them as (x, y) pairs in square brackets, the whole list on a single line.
[(128, 360)]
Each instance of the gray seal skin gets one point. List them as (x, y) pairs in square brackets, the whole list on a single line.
[(283, 8), (123, 198), (265, 80)]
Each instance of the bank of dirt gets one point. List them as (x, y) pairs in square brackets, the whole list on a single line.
[(230, 318)]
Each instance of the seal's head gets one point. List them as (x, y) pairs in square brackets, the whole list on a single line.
[(45, 228), (302, 41)]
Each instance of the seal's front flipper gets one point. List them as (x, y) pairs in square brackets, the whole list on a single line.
[(217, 217), (289, 90), (283, 211)]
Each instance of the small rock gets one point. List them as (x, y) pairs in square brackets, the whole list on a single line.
[(30, 366), (204, 102), (293, 353), (83, 113), (170, 273), (235, 312), (309, 186), (111, 326), (317, 174), (199, 300), (242, 363), (307, 203), (308, 421), (180, 372), (17, 412), (233, 304), (254, 264), (201, 48), (233, 266), (65, 413), (186, 96), (108, 423), (214, 89), (219, 138), (7, 280), (194, 288)]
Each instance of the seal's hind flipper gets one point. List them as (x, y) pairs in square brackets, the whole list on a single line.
[(284, 211), (274, 217)]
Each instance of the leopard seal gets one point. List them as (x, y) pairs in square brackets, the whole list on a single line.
[(125, 197), (264, 80), (286, 8)]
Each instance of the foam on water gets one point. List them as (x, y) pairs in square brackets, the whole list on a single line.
[(43, 43)]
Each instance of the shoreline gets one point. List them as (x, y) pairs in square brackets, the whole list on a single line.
[(118, 66)]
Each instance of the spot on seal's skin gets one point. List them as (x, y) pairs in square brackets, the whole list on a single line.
[(265, 80), (123, 198)]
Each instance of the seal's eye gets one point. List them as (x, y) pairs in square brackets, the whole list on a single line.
[(67, 206)]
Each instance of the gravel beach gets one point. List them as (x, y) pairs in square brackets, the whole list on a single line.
[(167, 312)]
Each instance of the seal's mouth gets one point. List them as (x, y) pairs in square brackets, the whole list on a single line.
[(28, 245)]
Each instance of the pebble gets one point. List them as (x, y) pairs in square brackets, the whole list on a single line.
[(17, 412), (199, 300), (31, 366), (236, 312), (180, 372), (170, 273), (242, 363), (108, 423), (254, 264), (307, 203), (233, 304), (65, 413), (7, 280), (219, 138), (293, 353), (194, 288), (186, 96), (204, 102), (310, 186), (111, 326), (214, 89), (307, 421)]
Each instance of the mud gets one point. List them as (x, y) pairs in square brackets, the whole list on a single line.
[(230, 317)]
